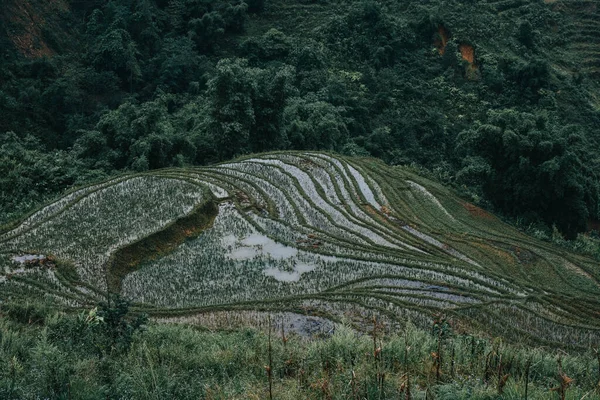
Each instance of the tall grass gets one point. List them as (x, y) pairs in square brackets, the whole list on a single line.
[(57, 359)]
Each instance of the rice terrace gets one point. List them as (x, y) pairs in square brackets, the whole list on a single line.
[(301, 233), (299, 199)]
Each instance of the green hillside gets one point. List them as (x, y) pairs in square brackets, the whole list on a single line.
[(297, 232), (301, 239), (321, 199)]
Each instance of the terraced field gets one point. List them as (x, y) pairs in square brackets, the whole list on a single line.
[(304, 233), (582, 33)]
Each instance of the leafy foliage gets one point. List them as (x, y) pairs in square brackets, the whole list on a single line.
[(117, 324), (147, 84), (526, 165)]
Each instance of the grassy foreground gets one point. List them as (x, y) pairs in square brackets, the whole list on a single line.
[(109, 354)]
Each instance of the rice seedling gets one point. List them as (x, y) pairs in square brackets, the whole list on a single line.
[(297, 230)]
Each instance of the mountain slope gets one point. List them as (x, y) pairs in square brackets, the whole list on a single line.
[(301, 232), (498, 96)]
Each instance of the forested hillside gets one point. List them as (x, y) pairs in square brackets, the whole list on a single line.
[(499, 98)]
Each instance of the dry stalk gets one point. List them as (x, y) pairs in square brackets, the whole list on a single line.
[(269, 368)]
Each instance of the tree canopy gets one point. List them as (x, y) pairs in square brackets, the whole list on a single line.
[(493, 104)]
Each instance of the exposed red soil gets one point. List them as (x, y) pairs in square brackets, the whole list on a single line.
[(499, 253), (441, 39), (467, 52), (477, 212), (371, 211), (25, 22)]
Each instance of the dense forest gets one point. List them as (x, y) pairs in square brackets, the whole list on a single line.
[(495, 98)]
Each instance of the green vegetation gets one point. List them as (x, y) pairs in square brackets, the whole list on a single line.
[(108, 352), (496, 97), (286, 231), (128, 113), (128, 258)]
